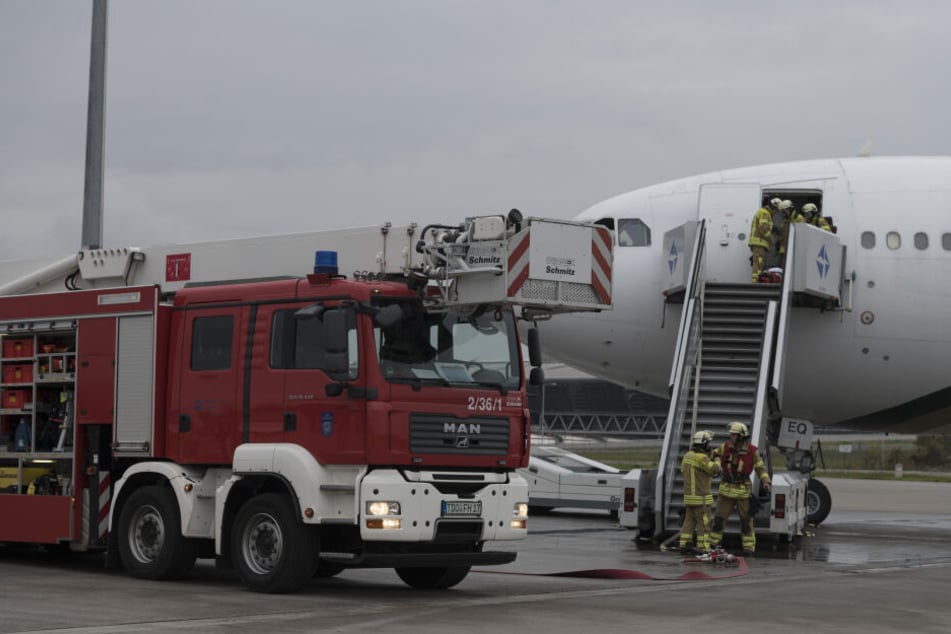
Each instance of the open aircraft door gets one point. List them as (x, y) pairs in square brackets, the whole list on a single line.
[(729, 209)]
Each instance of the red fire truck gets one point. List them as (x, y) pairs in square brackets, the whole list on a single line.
[(289, 426)]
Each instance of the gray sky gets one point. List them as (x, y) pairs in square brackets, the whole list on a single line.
[(232, 118)]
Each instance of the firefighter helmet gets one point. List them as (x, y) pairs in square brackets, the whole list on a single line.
[(740, 429), (702, 438), (775, 202), (809, 208), (786, 204)]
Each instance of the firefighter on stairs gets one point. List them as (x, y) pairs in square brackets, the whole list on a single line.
[(738, 459), (698, 470)]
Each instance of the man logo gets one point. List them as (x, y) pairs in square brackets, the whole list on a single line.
[(461, 428), (462, 442)]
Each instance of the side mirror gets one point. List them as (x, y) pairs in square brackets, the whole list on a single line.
[(336, 346), (388, 316), (536, 377), (534, 348)]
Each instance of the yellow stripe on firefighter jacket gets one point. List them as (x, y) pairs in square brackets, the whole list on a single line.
[(822, 223), (698, 470), (795, 218), (737, 464), (761, 229)]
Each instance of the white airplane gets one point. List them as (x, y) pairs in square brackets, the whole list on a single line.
[(883, 365), (874, 354)]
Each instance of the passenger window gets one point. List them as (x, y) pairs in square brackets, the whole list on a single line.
[(893, 240), (868, 240), (921, 241), (211, 342), (632, 232), (946, 241), (299, 343)]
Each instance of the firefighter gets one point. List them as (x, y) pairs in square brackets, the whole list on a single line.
[(812, 216), (761, 236), (790, 216), (698, 469), (738, 459)]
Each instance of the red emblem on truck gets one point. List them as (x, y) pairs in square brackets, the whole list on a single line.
[(178, 267)]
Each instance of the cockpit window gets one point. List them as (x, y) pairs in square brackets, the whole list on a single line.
[(632, 232)]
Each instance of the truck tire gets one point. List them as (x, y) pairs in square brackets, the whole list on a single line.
[(151, 545), (818, 502), (273, 551), (433, 578)]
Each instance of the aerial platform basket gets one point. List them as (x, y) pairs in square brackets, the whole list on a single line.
[(545, 266)]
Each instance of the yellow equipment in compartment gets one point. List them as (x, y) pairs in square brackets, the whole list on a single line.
[(8, 477)]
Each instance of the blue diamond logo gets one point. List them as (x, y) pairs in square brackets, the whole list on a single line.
[(673, 257), (822, 262)]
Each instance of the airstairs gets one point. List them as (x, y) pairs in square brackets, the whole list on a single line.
[(723, 376), (728, 366)]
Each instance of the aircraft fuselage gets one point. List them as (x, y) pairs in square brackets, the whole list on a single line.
[(882, 362)]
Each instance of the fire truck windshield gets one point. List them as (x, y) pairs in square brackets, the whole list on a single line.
[(451, 348)]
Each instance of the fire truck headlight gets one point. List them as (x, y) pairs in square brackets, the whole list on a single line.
[(377, 509), (520, 516)]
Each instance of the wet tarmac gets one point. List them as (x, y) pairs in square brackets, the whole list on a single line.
[(880, 563)]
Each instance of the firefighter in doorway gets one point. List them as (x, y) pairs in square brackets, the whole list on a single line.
[(698, 470), (811, 213), (790, 216), (739, 458), (761, 236)]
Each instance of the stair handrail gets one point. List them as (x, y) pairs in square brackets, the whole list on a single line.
[(779, 340), (698, 258), (699, 362), (686, 357), (761, 404)]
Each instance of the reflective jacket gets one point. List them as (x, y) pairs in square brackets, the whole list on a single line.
[(761, 229), (737, 463), (698, 470), (822, 223), (794, 217)]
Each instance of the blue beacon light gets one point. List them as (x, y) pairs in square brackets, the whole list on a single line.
[(325, 262)]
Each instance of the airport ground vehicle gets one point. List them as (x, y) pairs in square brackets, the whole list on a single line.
[(558, 478), (187, 407)]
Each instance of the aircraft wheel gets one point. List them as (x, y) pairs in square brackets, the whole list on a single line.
[(432, 578), (151, 545), (818, 502)]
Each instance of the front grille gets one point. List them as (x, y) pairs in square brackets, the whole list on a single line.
[(458, 531), (448, 434)]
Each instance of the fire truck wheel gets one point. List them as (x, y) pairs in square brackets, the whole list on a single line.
[(272, 549), (818, 501), (151, 544), (432, 578)]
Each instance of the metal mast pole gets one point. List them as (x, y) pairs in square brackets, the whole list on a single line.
[(95, 128)]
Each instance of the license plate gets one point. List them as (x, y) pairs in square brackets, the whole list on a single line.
[(467, 507)]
